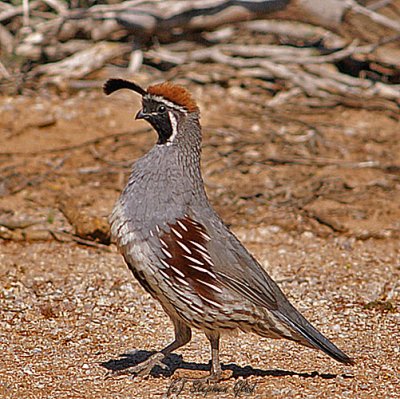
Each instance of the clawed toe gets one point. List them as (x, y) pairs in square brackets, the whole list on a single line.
[(211, 378), (142, 369)]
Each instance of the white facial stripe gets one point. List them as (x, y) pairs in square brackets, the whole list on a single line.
[(174, 125), (165, 102)]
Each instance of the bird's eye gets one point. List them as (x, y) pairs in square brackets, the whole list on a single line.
[(161, 109)]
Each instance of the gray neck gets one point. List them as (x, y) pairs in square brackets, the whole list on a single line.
[(167, 181)]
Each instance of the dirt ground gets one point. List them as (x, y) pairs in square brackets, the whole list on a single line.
[(314, 194)]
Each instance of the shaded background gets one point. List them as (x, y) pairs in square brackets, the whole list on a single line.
[(300, 109)]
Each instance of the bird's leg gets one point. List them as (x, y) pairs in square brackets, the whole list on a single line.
[(183, 334), (216, 372)]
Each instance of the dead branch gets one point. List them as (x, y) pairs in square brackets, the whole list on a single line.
[(298, 31), (64, 236), (84, 62), (374, 16), (86, 227), (152, 17), (57, 5), (281, 63), (323, 162), (12, 12), (278, 54), (6, 40), (316, 65), (4, 71), (13, 224)]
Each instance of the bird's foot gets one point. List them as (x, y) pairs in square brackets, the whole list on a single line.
[(144, 368), (212, 378)]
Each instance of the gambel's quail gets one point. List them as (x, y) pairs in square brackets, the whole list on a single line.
[(180, 250)]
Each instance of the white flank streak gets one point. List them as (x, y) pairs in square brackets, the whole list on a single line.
[(196, 308), (205, 255), (201, 269), (183, 227), (166, 253), (206, 237), (199, 246), (157, 228), (214, 287), (151, 233), (164, 263), (174, 125), (179, 291), (210, 301), (177, 271), (186, 300), (182, 281), (165, 275), (184, 247), (209, 261), (193, 260), (163, 243), (169, 283), (179, 235)]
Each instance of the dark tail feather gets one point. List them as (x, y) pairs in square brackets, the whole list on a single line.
[(313, 337)]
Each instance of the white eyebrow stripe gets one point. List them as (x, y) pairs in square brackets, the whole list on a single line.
[(160, 99)]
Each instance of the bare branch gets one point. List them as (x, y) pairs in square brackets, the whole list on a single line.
[(374, 16)]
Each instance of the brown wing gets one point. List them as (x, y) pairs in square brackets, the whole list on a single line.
[(186, 261)]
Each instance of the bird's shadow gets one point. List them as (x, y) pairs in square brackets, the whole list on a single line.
[(174, 362)]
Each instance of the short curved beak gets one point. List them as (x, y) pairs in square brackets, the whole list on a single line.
[(140, 115)]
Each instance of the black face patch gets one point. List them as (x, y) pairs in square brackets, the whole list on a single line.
[(157, 115)]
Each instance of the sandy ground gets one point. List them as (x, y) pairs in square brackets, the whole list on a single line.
[(315, 195)]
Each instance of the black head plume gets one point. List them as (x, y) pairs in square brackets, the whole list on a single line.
[(116, 84)]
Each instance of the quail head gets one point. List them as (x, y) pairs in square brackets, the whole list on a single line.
[(180, 250)]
